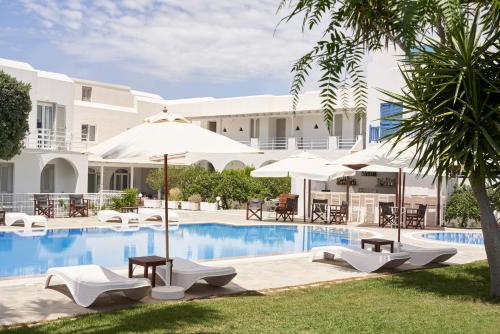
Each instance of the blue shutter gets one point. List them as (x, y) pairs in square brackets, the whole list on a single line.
[(393, 111)]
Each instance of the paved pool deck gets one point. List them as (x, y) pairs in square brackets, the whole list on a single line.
[(24, 299)]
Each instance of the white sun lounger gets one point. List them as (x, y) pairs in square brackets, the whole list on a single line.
[(186, 273), (28, 220), (87, 282), (125, 217), (362, 259), (421, 256), (158, 214)]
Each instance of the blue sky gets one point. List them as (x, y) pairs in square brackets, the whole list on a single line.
[(178, 49)]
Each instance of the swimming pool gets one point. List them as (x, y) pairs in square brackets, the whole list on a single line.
[(471, 238), (31, 255)]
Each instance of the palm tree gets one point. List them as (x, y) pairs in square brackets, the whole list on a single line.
[(452, 116), (451, 98)]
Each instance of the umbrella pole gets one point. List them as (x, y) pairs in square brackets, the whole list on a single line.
[(309, 198), (165, 182), (399, 205), (304, 193), (438, 204), (348, 182)]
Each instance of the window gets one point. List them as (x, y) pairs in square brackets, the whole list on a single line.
[(86, 93), (6, 177), (88, 132), (45, 116), (119, 179), (390, 115)]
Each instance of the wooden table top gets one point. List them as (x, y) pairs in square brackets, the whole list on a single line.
[(377, 240), (149, 260)]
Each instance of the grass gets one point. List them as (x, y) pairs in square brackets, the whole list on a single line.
[(443, 300)]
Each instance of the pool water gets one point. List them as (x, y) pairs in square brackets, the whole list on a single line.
[(471, 238), (34, 254)]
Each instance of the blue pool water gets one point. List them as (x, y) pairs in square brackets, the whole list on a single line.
[(471, 238), (31, 255)]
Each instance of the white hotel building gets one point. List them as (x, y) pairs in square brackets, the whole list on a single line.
[(69, 115)]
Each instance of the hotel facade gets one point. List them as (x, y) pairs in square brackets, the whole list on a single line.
[(70, 115)]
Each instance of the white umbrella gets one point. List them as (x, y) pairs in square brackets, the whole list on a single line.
[(385, 157), (164, 136), (303, 165)]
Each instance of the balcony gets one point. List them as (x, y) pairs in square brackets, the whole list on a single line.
[(53, 140), (300, 143)]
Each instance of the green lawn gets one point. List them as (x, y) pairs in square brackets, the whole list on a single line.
[(443, 300)]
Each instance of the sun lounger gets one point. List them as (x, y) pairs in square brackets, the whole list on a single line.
[(186, 273), (362, 259), (12, 218), (87, 282), (124, 217), (421, 256), (157, 214)]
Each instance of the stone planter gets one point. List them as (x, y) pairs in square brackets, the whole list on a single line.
[(194, 206), (206, 206), (185, 205), (173, 204), (152, 203)]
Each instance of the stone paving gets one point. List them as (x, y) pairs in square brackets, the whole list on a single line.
[(23, 299)]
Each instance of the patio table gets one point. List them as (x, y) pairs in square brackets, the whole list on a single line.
[(126, 209), (146, 262), (377, 242)]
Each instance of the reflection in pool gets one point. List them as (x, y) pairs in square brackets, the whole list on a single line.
[(30, 255), (471, 238)]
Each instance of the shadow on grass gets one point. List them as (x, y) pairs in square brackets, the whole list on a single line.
[(466, 282), (157, 318)]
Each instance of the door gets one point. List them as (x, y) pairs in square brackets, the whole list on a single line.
[(45, 116), (281, 127), (47, 179), (212, 126), (337, 125)]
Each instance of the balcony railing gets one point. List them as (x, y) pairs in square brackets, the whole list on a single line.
[(276, 143), (345, 143), (53, 140), (24, 202), (312, 143)]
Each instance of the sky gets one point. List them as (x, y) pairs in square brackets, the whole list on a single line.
[(178, 49)]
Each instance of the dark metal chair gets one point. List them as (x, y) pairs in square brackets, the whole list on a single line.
[(386, 215), (254, 208), (319, 210), (2, 217), (338, 213), (43, 205), (78, 205), (416, 217), (287, 211)]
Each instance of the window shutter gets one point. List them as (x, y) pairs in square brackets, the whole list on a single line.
[(390, 114)]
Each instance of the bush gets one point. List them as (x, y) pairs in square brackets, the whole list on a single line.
[(195, 198), (15, 107), (462, 207), (233, 186), (127, 198), (175, 194), (154, 180)]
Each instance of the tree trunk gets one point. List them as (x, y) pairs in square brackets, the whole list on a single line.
[(491, 232)]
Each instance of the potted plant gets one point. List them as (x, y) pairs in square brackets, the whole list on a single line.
[(194, 202), (174, 196), (208, 206)]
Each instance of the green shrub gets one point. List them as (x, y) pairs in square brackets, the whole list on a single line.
[(128, 197), (233, 186), (462, 207)]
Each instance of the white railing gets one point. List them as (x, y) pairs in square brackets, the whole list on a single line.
[(244, 141), (345, 143), (275, 143), (312, 143), (53, 140), (25, 203)]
